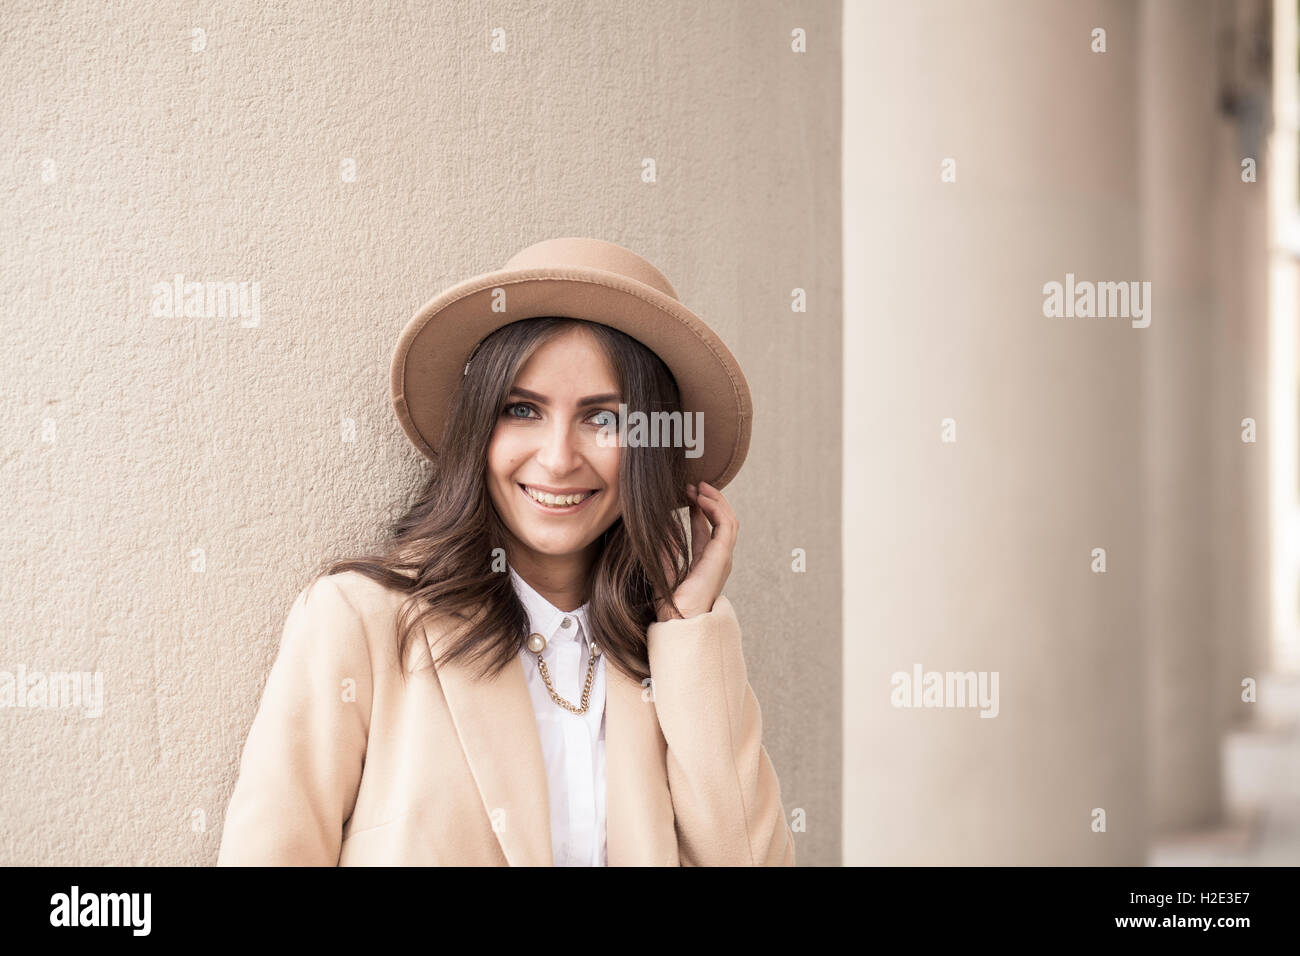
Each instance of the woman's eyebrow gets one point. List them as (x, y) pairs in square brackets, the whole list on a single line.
[(543, 400)]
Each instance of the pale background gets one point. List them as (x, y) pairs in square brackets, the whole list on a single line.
[(1119, 691), (136, 444), (173, 435)]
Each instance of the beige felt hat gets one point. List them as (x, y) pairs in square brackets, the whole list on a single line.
[(582, 279)]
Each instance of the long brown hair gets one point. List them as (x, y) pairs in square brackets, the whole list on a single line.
[(440, 551)]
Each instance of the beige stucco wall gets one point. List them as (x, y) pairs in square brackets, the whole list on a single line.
[(171, 480)]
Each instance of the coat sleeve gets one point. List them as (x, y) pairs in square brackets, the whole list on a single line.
[(301, 766), (725, 792)]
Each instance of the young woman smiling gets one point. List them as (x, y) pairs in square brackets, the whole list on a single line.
[(539, 667)]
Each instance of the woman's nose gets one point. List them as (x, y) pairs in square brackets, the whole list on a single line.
[(559, 453)]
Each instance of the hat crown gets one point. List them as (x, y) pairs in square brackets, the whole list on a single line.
[(572, 252)]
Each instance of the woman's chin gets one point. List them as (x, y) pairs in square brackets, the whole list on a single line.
[(555, 542), (555, 546)]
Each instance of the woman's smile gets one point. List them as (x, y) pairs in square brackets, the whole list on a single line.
[(559, 503)]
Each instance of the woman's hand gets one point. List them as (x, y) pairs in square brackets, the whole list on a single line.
[(711, 550)]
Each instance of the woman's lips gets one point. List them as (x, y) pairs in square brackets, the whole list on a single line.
[(555, 509)]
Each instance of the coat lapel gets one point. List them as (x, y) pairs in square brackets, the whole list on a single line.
[(640, 827), (494, 720), (497, 729)]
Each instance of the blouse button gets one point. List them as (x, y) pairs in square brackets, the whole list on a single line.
[(566, 622)]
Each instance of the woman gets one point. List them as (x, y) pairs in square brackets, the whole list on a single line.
[(535, 670)]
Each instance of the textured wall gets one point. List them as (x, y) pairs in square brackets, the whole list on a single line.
[(171, 479)]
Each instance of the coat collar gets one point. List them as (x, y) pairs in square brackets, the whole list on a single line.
[(497, 728)]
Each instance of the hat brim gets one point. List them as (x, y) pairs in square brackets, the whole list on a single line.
[(429, 361)]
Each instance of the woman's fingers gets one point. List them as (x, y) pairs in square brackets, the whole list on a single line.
[(715, 506), (700, 532)]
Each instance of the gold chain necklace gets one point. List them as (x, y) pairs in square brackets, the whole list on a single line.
[(537, 644)]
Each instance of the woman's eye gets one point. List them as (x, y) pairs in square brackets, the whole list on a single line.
[(605, 419), (510, 410)]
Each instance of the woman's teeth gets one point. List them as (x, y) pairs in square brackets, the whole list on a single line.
[(556, 501)]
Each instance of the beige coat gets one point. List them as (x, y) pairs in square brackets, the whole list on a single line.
[(346, 765)]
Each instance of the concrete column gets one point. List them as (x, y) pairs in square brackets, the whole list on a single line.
[(1239, 231), (977, 555), (1176, 132)]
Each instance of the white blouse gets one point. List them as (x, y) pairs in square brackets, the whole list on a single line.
[(573, 745)]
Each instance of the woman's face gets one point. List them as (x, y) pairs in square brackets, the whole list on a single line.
[(545, 443)]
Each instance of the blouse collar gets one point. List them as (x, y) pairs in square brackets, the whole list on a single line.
[(544, 617)]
